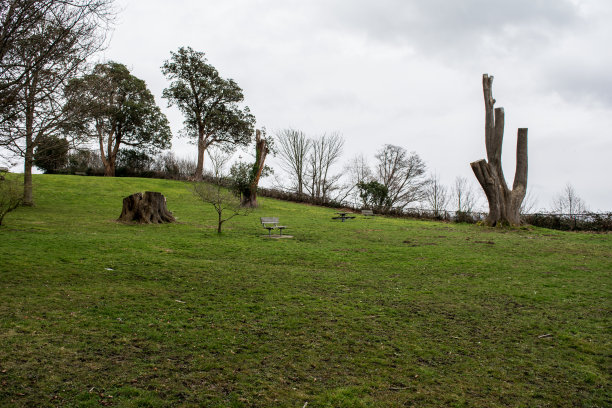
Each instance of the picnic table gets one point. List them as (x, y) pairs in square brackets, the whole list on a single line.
[(343, 215)]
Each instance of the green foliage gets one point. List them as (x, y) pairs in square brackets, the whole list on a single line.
[(374, 194), (208, 102), (51, 153), (117, 108), (378, 312), (242, 175), (134, 160)]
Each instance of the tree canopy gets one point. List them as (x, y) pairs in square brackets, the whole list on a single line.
[(209, 103), (51, 153), (117, 109)]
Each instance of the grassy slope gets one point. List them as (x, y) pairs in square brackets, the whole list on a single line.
[(371, 312)]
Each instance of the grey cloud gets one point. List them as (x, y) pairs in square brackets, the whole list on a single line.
[(440, 26), (584, 84)]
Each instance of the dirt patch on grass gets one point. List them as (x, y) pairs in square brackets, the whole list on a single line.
[(414, 243)]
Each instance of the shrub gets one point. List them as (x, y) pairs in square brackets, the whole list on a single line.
[(51, 154)]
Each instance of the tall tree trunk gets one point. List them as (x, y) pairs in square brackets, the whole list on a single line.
[(28, 198), (261, 151), (201, 148), (109, 168), (28, 162), (504, 204)]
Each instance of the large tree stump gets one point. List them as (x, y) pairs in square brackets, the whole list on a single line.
[(149, 208), (504, 204)]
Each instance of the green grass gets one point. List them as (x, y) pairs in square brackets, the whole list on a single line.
[(370, 312)]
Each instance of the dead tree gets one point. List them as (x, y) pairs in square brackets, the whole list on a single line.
[(149, 208), (261, 151), (504, 204)]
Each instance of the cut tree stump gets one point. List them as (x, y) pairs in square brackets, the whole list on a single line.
[(149, 208)]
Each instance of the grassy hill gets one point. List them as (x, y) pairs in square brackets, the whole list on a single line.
[(370, 312)]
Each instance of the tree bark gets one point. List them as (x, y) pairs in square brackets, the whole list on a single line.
[(149, 208), (504, 204), (261, 151), (28, 197), (201, 148)]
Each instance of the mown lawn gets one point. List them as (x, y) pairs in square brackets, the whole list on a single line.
[(366, 313)]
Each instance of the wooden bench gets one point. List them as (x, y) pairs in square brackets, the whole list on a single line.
[(367, 213), (271, 223)]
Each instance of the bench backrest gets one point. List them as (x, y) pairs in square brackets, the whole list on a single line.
[(367, 212), (269, 220)]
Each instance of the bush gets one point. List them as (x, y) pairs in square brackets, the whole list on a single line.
[(466, 217), (572, 222), (85, 161), (132, 163), (172, 168), (51, 154)]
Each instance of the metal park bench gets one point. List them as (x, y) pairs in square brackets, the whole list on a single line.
[(271, 223)]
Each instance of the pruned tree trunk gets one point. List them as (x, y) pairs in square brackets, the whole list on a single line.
[(261, 151), (504, 204), (149, 208)]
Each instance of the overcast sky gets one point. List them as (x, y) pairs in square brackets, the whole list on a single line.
[(405, 72)]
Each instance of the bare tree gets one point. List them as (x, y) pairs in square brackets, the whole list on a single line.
[(218, 159), (325, 151), (293, 148), (463, 196), (358, 171), (21, 20), (529, 203), (504, 204), (435, 195), (38, 63), (402, 174), (226, 203), (568, 202)]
